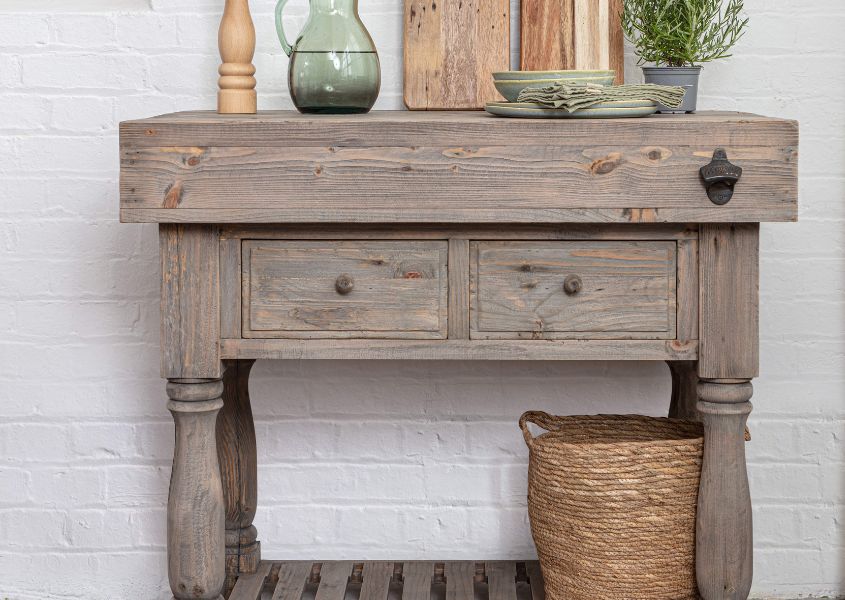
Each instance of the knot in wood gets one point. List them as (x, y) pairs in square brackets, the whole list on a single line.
[(656, 154), (603, 166)]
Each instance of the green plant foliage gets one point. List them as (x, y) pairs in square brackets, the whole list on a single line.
[(680, 33)]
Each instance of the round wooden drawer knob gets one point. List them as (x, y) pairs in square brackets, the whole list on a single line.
[(572, 285), (344, 284)]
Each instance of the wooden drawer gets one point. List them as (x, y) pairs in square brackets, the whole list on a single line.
[(627, 290), (295, 289)]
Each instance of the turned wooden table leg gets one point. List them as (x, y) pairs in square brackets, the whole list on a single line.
[(724, 541), (195, 511), (238, 468), (727, 361), (684, 390)]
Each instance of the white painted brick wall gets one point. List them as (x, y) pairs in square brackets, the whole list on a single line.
[(364, 460)]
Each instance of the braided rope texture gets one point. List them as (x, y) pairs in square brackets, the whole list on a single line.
[(612, 503)]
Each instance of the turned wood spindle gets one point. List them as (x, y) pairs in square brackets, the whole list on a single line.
[(195, 507), (237, 48), (236, 452)]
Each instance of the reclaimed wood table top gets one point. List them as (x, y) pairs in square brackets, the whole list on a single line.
[(451, 167)]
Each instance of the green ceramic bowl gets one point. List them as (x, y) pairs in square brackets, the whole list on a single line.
[(521, 75), (511, 89)]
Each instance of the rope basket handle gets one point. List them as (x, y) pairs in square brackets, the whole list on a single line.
[(539, 418)]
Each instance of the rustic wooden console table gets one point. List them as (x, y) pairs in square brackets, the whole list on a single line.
[(460, 236)]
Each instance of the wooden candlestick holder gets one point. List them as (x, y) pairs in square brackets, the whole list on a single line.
[(237, 48)]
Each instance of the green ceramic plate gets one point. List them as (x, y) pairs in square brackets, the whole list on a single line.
[(515, 75), (606, 110), (511, 89)]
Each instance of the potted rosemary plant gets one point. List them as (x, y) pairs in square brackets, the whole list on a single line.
[(678, 35)]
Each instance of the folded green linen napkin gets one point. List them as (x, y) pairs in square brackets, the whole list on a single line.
[(575, 96)]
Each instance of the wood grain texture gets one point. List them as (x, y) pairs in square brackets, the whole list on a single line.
[(574, 215), (292, 579), (459, 349), (412, 580), (334, 577), (195, 508), (729, 296), (416, 580), (501, 579), (433, 231), (414, 181), (616, 40), (459, 167), (400, 289), (628, 290), (236, 452), (547, 40), (451, 49), (724, 534), (230, 287), (251, 585), (535, 578), (285, 129), (459, 266), (460, 580), (684, 390), (687, 289), (190, 318), (375, 582)]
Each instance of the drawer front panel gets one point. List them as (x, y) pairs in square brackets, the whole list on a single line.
[(344, 289), (624, 290)]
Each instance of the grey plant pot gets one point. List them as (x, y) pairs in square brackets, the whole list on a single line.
[(686, 77)]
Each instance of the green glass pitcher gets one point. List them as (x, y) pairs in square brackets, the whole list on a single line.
[(334, 66)]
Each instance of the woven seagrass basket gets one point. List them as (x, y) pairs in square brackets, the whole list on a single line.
[(612, 503)]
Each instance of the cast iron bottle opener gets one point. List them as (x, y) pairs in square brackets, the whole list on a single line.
[(720, 177)]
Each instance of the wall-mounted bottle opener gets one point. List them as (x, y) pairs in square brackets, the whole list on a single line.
[(720, 177)]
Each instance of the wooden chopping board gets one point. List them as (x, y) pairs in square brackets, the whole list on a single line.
[(572, 34), (451, 49)]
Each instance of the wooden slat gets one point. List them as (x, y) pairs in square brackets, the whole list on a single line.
[(460, 580), (376, 580), (501, 579), (416, 580), (376, 349), (292, 579), (249, 586), (458, 320), (334, 577), (535, 578)]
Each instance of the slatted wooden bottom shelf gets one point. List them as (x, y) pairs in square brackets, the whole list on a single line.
[(389, 580)]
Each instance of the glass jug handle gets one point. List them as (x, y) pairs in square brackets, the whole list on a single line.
[(280, 27)]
